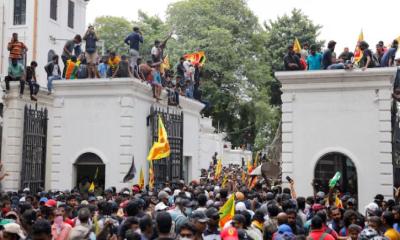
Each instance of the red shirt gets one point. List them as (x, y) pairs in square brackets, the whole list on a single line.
[(317, 234)]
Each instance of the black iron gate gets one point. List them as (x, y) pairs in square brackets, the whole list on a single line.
[(168, 169), (34, 148)]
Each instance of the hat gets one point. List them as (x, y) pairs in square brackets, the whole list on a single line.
[(85, 203), (15, 229), (316, 207), (168, 190), (229, 233), (126, 192), (212, 212), (99, 198), (320, 194), (92, 198), (160, 207), (43, 199), (199, 216), (240, 206), (51, 203)]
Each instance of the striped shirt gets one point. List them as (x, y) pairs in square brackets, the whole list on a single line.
[(16, 49)]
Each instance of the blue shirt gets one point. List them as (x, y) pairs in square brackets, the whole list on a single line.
[(389, 54), (133, 40), (102, 68), (314, 61)]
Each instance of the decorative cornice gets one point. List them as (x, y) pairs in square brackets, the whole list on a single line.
[(337, 79)]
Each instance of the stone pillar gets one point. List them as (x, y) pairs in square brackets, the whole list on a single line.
[(13, 128), (338, 111)]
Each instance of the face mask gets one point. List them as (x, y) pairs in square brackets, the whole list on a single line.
[(58, 220)]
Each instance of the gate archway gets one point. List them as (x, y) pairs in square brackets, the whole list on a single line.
[(328, 165), (89, 167)]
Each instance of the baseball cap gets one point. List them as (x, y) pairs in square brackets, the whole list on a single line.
[(160, 207), (229, 233), (316, 207), (199, 216), (212, 213), (92, 198), (51, 203), (43, 199), (14, 228)]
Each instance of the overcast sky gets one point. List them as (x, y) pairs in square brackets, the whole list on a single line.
[(341, 21)]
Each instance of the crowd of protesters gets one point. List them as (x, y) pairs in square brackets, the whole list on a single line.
[(313, 58), (193, 211), (182, 80)]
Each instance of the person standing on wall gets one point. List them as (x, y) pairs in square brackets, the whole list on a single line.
[(133, 40), (91, 51), (69, 49), (17, 49)]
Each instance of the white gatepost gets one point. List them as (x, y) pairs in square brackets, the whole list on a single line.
[(338, 111)]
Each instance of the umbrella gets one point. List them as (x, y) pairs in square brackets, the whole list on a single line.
[(256, 171)]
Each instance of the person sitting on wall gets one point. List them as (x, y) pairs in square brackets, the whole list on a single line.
[(123, 69), (53, 72), (30, 78), (15, 73)]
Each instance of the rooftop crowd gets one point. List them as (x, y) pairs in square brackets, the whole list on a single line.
[(182, 80), (196, 211), (313, 58)]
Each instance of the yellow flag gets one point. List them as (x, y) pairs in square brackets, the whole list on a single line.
[(91, 188), (165, 64), (151, 176), (224, 181), (358, 54), (218, 169), (160, 149), (296, 46), (141, 179)]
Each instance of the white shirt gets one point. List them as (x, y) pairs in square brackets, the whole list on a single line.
[(154, 51), (55, 70)]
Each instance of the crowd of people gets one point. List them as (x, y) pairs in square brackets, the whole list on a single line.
[(181, 80), (313, 58), (197, 211)]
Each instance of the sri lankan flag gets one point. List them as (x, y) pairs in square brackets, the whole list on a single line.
[(224, 181), (227, 211), (151, 176), (196, 58), (141, 179), (92, 186), (160, 149), (358, 54)]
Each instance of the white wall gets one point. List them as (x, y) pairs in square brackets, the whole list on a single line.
[(108, 117), (338, 111)]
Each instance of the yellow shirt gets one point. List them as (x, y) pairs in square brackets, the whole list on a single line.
[(392, 234)]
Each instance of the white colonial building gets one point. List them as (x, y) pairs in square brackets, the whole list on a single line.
[(338, 121), (101, 124), (43, 25)]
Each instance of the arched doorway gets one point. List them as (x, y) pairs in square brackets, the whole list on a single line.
[(89, 167), (326, 168)]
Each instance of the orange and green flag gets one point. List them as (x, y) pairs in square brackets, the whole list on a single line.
[(296, 46), (196, 58), (227, 211), (358, 54), (160, 149), (141, 179), (151, 176)]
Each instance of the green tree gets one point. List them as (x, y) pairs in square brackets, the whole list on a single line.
[(236, 75), (113, 30), (282, 32)]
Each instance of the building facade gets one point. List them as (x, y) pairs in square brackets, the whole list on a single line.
[(99, 125), (338, 121), (44, 27)]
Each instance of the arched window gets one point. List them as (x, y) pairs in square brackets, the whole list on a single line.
[(326, 168)]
